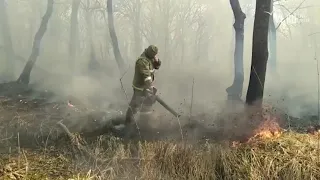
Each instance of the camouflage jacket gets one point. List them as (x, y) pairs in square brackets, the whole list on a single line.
[(144, 71)]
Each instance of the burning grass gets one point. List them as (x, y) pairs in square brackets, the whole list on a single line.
[(270, 153)]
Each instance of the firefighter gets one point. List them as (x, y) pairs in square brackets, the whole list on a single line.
[(142, 100)]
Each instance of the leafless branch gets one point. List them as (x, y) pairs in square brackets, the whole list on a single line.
[(290, 14), (73, 139)]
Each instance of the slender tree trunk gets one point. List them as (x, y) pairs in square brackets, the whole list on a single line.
[(272, 62), (205, 48), (89, 42), (88, 18), (235, 90), (74, 34), (25, 75), (8, 47), (259, 53), (153, 36), (137, 29), (93, 65), (182, 46), (199, 42), (166, 37), (114, 37)]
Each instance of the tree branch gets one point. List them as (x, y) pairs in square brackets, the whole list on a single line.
[(290, 14)]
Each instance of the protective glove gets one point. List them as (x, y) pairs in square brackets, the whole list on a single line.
[(157, 64), (151, 94), (154, 90)]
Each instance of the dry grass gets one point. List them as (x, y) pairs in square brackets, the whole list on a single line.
[(292, 156)]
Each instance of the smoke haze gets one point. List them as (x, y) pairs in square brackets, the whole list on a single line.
[(196, 41)]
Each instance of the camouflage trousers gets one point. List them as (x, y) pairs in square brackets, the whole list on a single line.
[(140, 101)]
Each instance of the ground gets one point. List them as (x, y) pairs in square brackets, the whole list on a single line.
[(34, 146)]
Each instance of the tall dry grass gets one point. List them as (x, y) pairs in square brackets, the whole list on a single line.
[(292, 156)]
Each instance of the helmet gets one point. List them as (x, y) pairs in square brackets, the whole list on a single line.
[(151, 51)]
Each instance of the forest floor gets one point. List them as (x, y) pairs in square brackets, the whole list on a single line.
[(34, 146)]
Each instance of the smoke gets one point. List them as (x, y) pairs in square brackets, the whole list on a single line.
[(189, 50)]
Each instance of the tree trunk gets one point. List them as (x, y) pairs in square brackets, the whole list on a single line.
[(74, 34), (166, 32), (259, 53), (137, 29), (182, 47), (272, 62), (93, 65), (114, 37), (25, 75), (153, 23), (235, 90), (8, 47), (89, 23)]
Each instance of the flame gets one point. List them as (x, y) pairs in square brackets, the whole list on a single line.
[(269, 128), (314, 130)]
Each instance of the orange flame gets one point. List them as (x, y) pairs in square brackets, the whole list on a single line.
[(269, 128)]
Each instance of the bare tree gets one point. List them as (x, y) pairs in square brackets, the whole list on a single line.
[(8, 47), (89, 24), (166, 12), (136, 22), (114, 37), (201, 47), (235, 90), (93, 63), (74, 33), (190, 14), (259, 53), (25, 75), (131, 12)]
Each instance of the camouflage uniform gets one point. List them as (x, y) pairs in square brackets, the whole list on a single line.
[(143, 77)]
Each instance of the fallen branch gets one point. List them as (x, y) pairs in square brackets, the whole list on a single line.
[(76, 142)]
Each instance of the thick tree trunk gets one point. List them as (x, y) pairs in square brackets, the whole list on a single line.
[(235, 90), (259, 53), (272, 62), (74, 34), (114, 37), (8, 47), (25, 75)]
